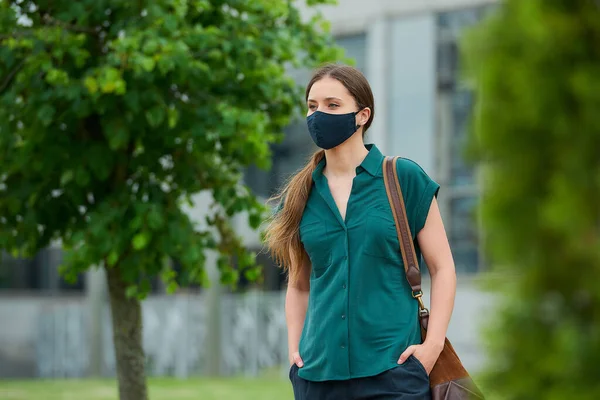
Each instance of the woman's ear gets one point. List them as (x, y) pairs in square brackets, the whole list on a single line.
[(363, 116)]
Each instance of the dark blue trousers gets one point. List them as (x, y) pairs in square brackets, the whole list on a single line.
[(408, 381)]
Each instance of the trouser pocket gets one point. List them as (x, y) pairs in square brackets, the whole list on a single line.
[(411, 381), (297, 385), (292, 372), (419, 364)]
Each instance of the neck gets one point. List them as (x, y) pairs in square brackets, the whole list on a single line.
[(343, 160)]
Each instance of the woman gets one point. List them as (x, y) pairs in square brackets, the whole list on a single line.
[(353, 331)]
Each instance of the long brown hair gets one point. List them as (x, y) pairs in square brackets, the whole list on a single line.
[(282, 235)]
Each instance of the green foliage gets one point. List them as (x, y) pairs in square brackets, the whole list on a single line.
[(114, 113), (536, 67)]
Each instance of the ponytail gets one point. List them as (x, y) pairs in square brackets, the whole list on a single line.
[(282, 235)]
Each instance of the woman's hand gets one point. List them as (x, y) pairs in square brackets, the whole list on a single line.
[(296, 359), (426, 353)]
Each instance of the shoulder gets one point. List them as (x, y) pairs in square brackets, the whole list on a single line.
[(408, 167), (413, 177), (418, 189)]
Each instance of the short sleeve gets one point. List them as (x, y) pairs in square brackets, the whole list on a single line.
[(418, 190)]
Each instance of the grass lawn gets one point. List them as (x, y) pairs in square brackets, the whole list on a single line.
[(160, 389)]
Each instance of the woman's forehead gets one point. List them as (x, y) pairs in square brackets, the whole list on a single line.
[(328, 88)]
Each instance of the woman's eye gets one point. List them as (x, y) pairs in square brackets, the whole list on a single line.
[(311, 107), (333, 105)]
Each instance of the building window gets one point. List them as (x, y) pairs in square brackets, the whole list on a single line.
[(39, 273), (459, 199)]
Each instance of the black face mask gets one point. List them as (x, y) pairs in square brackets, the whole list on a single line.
[(331, 130)]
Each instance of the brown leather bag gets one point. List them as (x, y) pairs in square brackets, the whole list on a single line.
[(449, 380)]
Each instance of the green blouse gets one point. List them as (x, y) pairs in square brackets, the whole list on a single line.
[(361, 315)]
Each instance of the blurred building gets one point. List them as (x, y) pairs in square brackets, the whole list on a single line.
[(408, 49)]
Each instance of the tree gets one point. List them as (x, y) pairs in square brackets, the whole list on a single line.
[(536, 69), (114, 113)]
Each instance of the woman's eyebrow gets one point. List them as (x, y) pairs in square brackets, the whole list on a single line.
[(327, 98)]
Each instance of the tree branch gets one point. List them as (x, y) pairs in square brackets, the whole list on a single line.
[(19, 34), (11, 75), (49, 20)]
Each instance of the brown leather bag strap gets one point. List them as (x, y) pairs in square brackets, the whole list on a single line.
[(407, 248)]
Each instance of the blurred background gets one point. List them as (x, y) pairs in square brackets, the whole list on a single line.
[(231, 344), (409, 52)]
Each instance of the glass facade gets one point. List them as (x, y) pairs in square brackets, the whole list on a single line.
[(461, 173), (455, 103)]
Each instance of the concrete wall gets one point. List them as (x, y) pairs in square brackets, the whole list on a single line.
[(19, 316), (46, 336), (473, 308)]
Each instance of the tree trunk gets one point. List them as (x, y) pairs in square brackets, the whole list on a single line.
[(127, 335)]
